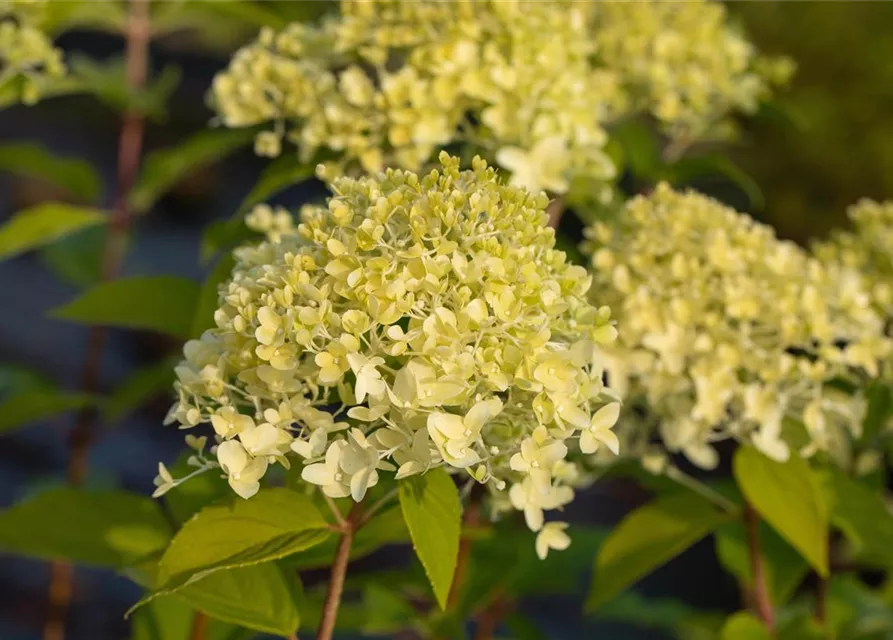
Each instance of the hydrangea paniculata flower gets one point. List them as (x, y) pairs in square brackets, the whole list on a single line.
[(414, 322), (530, 85), (27, 55), (729, 332)]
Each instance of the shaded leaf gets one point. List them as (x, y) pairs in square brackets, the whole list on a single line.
[(785, 568), (280, 174), (647, 538), (34, 405), (223, 234), (690, 168), (105, 528), (138, 388), (788, 496), (188, 498), (77, 258), (744, 626), (861, 514), (431, 508), (164, 168), (209, 298), (880, 409), (74, 175), (158, 303), (43, 224)]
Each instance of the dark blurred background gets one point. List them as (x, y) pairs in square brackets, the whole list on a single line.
[(821, 144)]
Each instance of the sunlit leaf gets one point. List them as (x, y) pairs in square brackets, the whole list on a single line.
[(42, 224)]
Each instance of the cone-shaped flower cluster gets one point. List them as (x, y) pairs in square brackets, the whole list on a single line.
[(27, 55), (528, 84), (413, 322), (729, 332)]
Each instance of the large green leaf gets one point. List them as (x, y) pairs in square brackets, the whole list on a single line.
[(190, 497), (138, 388), (880, 409), (271, 525), (649, 537), (43, 224), (261, 597), (785, 568), (788, 496), (861, 514), (431, 508), (209, 298), (385, 528), (74, 175), (744, 626), (159, 303), (164, 168), (106, 528), (33, 405), (77, 258)]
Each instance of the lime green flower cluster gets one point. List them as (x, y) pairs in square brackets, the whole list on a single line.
[(682, 62), (729, 332), (867, 249), (416, 321), (27, 54)]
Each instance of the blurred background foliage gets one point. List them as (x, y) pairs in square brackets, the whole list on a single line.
[(822, 143)]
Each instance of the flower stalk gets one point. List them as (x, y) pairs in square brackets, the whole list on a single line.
[(338, 574), (762, 604)]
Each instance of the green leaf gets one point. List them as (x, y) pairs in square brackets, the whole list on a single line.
[(33, 405), (647, 538), (431, 508), (138, 388), (648, 613), (43, 224), (15, 379), (164, 168), (785, 568), (223, 234), (209, 297), (271, 525), (861, 514), (170, 618), (385, 528), (77, 258), (158, 303), (387, 610), (260, 597), (74, 175), (744, 626), (788, 496), (638, 147), (105, 528), (880, 409), (280, 174), (690, 168)]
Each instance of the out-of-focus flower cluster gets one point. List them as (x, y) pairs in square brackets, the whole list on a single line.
[(682, 61), (867, 248), (414, 322), (27, 55), (729, 332), (530, 85)]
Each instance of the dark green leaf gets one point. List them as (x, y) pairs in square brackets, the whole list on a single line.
[(223, 234), (648, 613), (688, 169), (74, 175), (785, 568), (106, 528), (38, 404), (43, 224), (880, 409), (861, 514), (788, 496), (638, 147), (164, 168), (138, 388), (280, 174), (387, 610), (158, 303), (170, 618), (432, 511), (271, 525), (15, 379), (77, 258), (209, 298), (647, 538)]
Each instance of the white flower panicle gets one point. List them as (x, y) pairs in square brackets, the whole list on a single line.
[(531, 85), (867, 249), (28, 58), (682, 62), (729, 332), (414, 322)]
